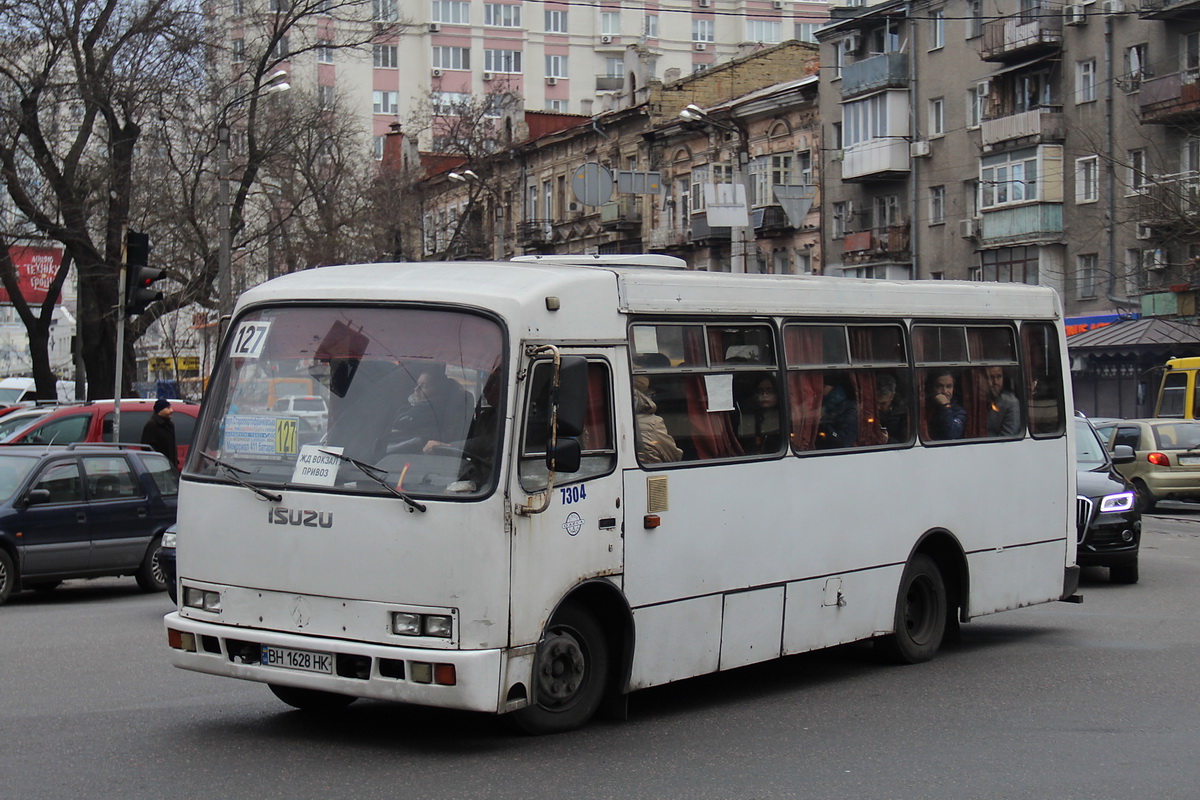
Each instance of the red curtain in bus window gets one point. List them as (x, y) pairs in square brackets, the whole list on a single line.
[(971, 391), (713, 433), (803, 346), (863, 382), (595, 431)]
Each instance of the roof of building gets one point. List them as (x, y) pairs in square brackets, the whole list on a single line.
[(1148, 333)]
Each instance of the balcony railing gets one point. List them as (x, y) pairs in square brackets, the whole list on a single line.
[(1022, 34), (1171, 201), (886, 71), (1048, 125), (703, 233), (622, 214), (879, 244), (876, 159), (609, 83), (1170, 99), (1036, 222), (1169, 9), (535, 231)]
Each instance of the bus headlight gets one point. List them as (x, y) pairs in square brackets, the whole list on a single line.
[(406, 624), (437, 625), (1117, 502), (202, 599)]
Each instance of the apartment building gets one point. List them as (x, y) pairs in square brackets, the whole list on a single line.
[(752, 128), (558, 56), (1017, 140)]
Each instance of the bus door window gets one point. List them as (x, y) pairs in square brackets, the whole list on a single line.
[(1043, 372), (596, 441)]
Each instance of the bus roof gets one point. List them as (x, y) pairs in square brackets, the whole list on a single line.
[(512, 288)]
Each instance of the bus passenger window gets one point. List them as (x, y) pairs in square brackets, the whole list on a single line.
[(1043, 371)]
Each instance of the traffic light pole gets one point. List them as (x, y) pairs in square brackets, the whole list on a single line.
[(120, 369)]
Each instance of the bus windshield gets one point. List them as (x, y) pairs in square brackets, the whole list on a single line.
[(400, 397)]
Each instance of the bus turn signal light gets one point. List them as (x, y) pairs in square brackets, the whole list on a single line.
[(651, 521)]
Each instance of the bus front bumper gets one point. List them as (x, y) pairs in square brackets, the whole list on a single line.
[(461, 679)]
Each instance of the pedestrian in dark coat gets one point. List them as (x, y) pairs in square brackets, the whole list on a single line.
[(159, 432)]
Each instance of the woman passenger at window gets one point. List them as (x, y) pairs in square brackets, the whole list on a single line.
[(947, 419)]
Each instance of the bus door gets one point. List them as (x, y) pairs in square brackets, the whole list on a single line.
[(1177, 393), (571, 532)]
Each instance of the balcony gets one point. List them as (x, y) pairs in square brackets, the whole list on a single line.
[(1170, 99), (1021, 35), (1029, 224), (879, 245), (886, 71), (1169, 9), (535, 231), (704, 235), (609, 83), (770, 219), (876, 159), (621, 215), (1170, 202), (1043, 124)]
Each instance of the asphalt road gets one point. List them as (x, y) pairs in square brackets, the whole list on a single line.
[(1098, 700)]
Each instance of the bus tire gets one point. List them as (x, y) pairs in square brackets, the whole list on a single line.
[(570, 673), (8, 576), (920, 621), (312, 700), (150, 575)]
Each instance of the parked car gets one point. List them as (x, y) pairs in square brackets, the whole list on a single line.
[(20, 418), (1166, 463), (94, 421), (24, 390), (166, 559), (83, 511), (1108, 520)]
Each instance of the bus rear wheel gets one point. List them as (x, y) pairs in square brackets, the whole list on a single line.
[(310, 699), (570, 672), (920, 620)]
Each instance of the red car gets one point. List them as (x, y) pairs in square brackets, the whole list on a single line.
[(93, 422)]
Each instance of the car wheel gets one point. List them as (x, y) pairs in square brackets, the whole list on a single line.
[(8, 576), (1146, 499), (1125, 573), (920, 621), (150, 575), (570, 673), (311, 699)]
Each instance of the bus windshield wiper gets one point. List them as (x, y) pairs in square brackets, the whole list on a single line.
[(374, 474), (231, 472)]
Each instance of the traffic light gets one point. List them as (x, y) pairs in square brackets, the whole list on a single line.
[(139, 276)]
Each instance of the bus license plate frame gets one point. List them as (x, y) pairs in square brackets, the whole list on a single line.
[(298, 660)]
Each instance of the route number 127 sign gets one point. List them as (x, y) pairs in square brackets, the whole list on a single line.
[(249, 339)]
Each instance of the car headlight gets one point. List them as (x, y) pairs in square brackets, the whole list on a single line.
[(1122, 501), (168, 539)]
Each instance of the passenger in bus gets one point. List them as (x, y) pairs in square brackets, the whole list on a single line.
[(759, 428), (439, 411), (891, 412), (1004, 412), (947, 419), (655, 445), (839, 414)]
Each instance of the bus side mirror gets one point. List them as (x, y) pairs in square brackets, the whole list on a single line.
[(572, 398), (565, 456), (1123, 454)]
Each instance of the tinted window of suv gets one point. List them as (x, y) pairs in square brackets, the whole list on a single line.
[(110, 477), (61, 479), (160, 470)]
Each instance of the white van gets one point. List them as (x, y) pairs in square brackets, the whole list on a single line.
[(24, 390)]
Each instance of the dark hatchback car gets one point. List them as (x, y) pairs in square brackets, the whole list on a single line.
[(1108, 517), (83, 511)]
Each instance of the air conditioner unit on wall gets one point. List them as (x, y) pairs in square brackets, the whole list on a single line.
[(437, 73), (851, 43), (434, 27), (1154, 259), (701, 45), (605, 39), (1113, 7), (777, 4), (704, 3), (1143, 231), (920, 148), (487, 76), (552, 81), (968, 228), (1075, 14)]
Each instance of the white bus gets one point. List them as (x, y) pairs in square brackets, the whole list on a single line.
[(539, 486)]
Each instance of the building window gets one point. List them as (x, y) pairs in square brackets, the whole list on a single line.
[(976, 98), (702, 30), (451, 12), (448, 104), (806, 31), (324, 51), (377, 148), (610, 23), (764, 31), (384, 11), (699, 66), (615, 67), (281, 51), (384, 56), (1135, 65), (1085, 81), (937, 117), (237, 50), (937, 205), (1087, 179), (325, 98), (278, 6), (937, 29), (239, 7), (1008, 179), (1087, 277), (766, 172), (804, 167), (556, 105), (1189, 54), (451, 57), (502, 61), (556, 66), (863, 120), (385, 102), (497, 15), (1137, 171), (556, 20), (650, 26), (1009, 265), (974, 19), (885, 212), (1189, 155), (840, 219)]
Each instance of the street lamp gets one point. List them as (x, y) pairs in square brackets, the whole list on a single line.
[(741, 234), (470, 177), (275, 83)]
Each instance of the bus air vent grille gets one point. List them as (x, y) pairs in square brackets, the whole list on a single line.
[(656, 494)]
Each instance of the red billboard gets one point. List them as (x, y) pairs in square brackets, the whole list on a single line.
[(36, 268)]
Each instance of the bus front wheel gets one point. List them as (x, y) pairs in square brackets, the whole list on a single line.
[(570, 672), (921, 609)]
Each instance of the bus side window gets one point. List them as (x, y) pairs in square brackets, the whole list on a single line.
[(1173, 396), (596, 441), (1043, 389)]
